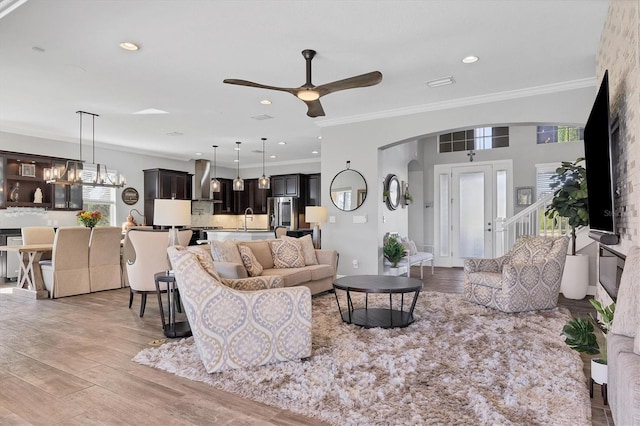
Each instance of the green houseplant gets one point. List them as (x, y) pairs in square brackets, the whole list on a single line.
[(570, 197), (393, 251), (580, 335)]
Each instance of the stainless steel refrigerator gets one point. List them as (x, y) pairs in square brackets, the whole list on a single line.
[(283, 211)]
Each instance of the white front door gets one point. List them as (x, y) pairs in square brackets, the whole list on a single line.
[(471, 213)]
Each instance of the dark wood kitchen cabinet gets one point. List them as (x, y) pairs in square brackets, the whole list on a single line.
[(285, 186), (313, 195), (224, 198), (164, 184)]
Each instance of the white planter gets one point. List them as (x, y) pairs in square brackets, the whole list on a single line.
[(598, 372), (575, 278), (394, 271)]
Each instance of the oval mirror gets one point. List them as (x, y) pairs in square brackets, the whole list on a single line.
[(392, 192), (348, 190)]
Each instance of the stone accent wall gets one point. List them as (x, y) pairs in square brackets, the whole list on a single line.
[(619, 52)]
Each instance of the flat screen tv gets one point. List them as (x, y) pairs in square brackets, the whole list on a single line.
[(599, 163)]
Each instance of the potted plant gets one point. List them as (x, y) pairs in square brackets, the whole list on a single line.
[(393, 251), (580, 335), (570, 202)]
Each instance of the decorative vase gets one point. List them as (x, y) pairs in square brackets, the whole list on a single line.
[(598, 371), (575, 278), (14, 195)]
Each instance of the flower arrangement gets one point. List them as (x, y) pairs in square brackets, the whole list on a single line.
[(89, 219)]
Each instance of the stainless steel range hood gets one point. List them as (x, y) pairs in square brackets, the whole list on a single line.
[(202, 190)]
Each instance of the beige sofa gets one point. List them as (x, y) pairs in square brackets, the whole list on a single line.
[(319, 278), (623, 346)]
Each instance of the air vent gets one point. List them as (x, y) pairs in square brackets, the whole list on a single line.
[(257, 151), (175, 134), (262, 117), (445, 81)]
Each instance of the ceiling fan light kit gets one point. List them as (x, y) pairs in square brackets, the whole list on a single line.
[(310, 94)]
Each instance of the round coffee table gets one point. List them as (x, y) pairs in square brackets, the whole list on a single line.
[(377, 317)]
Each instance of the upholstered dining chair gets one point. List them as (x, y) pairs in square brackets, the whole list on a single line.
[(280, 231), (239, 329), (67, 273), (148, 256), (104, 258), (525, 279), (38, 235)]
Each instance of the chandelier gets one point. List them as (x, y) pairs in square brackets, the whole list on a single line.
[(71, 172)]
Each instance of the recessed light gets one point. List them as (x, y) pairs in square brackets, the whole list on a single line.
[(282, 143), (319, 137), (150, 111), (237, 148), (265, 102), (127, 45), (199, 154), (470, 59), (236, 161), (273, 156), (314, 152)]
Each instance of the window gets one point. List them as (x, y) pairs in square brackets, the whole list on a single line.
[(559, 134), (544, 178), (476, 139), (99, 198)]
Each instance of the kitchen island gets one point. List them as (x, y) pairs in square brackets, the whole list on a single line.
[(230, 234)]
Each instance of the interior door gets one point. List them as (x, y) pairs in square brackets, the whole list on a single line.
[(471, 213)]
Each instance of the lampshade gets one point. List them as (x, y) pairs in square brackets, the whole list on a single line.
[(315, 214), (171, 212)]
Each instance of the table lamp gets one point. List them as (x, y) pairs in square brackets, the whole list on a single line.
[(172, 213), (315, 215)]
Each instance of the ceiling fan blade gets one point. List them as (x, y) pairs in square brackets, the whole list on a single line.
[(364, 80), (258, 85), (314, 108)]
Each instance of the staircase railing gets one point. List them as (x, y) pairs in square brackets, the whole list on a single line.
[(530, 221)]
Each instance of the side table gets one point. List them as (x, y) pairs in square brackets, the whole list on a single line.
[(171, 328)]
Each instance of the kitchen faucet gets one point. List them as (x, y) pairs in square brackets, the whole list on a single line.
[(247, 211)]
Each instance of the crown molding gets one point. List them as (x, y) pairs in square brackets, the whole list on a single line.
[(463, 102)]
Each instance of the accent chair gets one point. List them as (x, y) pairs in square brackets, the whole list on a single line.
[(38, 235), (67, 273), (525, 279), (104, 258)]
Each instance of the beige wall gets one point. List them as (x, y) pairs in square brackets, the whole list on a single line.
[(619, 52)]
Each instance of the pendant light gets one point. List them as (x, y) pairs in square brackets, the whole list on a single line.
[(264, 182), (215, 183), (238, 184), (71, 173)]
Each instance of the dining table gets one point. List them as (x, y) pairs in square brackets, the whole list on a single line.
[(30, 282)]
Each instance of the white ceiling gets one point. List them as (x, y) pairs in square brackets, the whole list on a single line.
[(188, 47)]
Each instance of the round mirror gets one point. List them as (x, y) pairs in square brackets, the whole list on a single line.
[(392, 192), (348, 190)]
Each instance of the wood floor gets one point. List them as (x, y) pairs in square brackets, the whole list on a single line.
[(68, 361)]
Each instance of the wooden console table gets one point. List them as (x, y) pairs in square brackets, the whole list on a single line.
[(30, 282)]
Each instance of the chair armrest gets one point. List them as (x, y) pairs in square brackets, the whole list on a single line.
[(254, 283), (327, 257), (485, 265), (231, 270)]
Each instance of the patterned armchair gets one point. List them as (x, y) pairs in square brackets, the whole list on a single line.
[(525, 279), (238, 329)]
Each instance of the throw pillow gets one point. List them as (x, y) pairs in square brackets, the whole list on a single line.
[(225, 251), (205, 259), (287, 253), (254, 268), (308, 250), (409, 246)]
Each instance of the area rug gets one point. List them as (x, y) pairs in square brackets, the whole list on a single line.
[(458, 363)]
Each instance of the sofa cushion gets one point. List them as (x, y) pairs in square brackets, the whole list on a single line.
[(287, 253), (308, 250), (206, 261), (225, 251), (319, 272), (291, 276), (254, 268), (627, 318), (261, 250)]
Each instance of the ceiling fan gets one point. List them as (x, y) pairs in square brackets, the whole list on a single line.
[(310, 94)]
